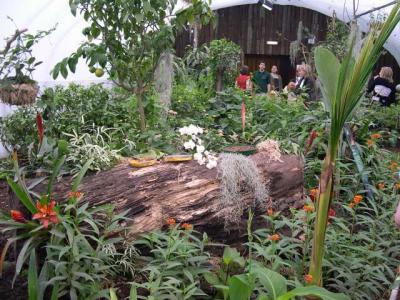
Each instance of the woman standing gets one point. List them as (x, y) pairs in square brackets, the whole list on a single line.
[(276, 79), (243, 81)]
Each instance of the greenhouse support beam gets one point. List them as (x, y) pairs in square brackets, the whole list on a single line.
[(375, 9)]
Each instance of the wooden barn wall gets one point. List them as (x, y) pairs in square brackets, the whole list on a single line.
[(251, 26)]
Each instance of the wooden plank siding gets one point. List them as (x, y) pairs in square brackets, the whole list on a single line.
[(251, 26)]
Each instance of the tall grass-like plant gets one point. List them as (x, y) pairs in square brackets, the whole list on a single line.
[(342, 86)]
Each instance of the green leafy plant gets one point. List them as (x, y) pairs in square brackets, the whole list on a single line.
[(176, 263)]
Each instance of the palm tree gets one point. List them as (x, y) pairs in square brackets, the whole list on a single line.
[(342, 87)]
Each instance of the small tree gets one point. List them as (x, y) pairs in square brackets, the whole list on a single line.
[(126, 39), (224, 57)]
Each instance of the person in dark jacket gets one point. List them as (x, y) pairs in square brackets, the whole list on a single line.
[(306, 83), (383, 88)]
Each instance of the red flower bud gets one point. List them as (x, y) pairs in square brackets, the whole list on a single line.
[(17, 216), (40, 127)]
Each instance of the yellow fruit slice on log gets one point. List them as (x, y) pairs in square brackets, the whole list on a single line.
[(177, 158), (137, 163)]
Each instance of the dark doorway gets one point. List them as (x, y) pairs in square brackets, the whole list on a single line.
[(285, 68)]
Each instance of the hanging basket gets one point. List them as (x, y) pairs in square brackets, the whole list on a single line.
[(19, 94)]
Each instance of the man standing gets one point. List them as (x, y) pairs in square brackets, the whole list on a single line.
[(262, 79)]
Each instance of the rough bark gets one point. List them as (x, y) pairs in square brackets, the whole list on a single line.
[(187, 192)]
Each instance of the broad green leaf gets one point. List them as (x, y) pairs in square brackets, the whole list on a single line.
[(212, 278), (54, 292), (273, 282), (240, 287), (81, 174), (32, 278), (133, 293), (56, 170), (328, 76), (22, 255), (113, 295), (22, 196), (315, 291)]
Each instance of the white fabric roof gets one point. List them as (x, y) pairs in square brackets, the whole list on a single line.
[(43, 14)]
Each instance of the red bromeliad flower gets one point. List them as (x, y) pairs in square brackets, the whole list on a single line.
[(17, 216), (46, 213), (40, 127)]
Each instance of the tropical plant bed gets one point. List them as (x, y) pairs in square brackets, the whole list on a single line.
[(186, 191)]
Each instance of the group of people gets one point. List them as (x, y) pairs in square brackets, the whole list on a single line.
[(265, 82), (381, 86)]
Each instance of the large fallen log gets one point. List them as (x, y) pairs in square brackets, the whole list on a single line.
[(187, 192)]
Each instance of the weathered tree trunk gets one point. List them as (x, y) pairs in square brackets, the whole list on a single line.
[(164, 76), (187, 192), (140, 107), (220, 80)]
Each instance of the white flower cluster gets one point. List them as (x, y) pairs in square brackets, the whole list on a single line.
[(195, 143)]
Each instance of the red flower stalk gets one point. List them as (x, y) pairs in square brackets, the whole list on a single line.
[(40, 127), (311, 138), (17, 216), (46, 214)]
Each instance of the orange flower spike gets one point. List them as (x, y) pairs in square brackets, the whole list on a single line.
[(308, 208), (370, 143), (17, 216), (270, 212), (313, 194), (187, 226), (376, 136), (381, 186), (308, 278), (351, 205), (46, 214), (357, 199), (397, 186), (275, 237), (171, 221), (76, 195), (393, 166)]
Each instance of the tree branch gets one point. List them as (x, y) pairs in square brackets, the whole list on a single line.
[(12, 39)]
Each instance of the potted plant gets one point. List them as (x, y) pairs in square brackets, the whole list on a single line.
[(16, 66)]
